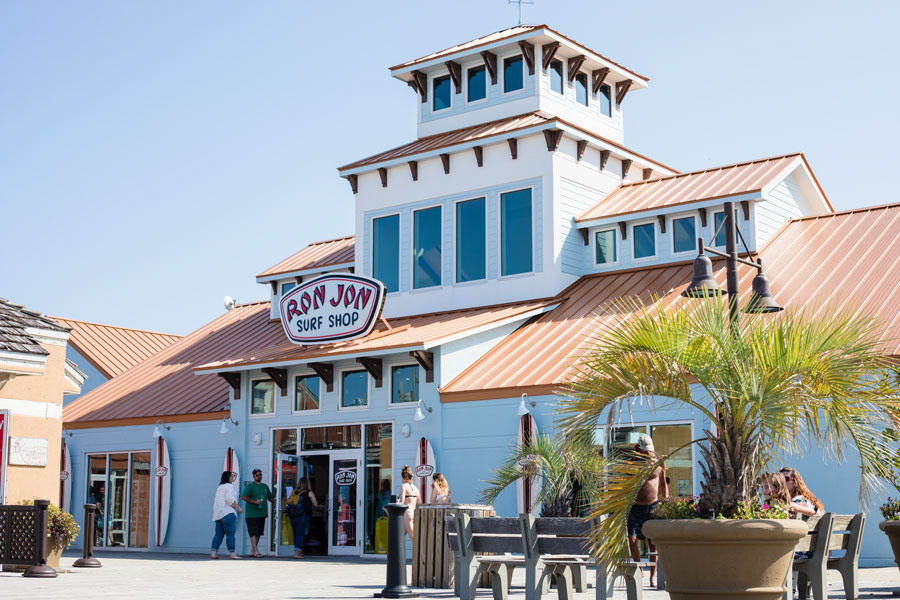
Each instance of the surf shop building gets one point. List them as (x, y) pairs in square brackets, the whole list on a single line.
[(482, 255)]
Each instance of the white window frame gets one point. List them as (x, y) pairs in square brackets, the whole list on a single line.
[(534, 241), (618, 238), (502, 74), (399, 216), (390, 367), (275, 395), (412, 249), (292, 390), (671, 226), (655, 254), (431, 79), (549, 72), (340, 399), (465, 82), (455, 239)]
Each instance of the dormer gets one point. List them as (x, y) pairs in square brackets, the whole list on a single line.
[(520, 70)]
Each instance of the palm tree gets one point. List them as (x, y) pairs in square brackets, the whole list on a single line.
[(568, 472), (770, 386)]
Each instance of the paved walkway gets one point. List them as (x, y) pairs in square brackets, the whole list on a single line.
[(194, 577)]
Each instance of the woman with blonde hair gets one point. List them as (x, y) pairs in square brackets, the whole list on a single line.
[(803, 501), (409, 495), (774, 489), (440, 490)]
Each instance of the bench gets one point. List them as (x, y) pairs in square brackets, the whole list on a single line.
[(829, 533), (547, 548)]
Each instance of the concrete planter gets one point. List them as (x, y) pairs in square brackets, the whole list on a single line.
[(892, 529), (725, 559)]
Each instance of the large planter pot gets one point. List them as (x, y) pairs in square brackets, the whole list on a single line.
[(725, 559), (892, 529)]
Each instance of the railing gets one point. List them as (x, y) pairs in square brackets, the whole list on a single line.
[(23, 537)]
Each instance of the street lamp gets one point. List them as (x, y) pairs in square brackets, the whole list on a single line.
[(704, 285)]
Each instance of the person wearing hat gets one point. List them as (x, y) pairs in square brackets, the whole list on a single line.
[(653, 490), (255, 494)]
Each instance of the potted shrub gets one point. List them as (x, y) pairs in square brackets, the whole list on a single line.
[(890, 510), (767, 385), (62, 529)]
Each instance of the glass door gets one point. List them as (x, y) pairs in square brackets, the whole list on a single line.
[(344, 504), (117, 500), (285, 481)]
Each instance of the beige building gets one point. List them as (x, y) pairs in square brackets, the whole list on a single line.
[(34, 377)]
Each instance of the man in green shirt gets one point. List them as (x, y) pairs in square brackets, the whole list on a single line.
[(255, 495)]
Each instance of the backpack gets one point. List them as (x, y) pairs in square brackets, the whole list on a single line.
[(298, 503)]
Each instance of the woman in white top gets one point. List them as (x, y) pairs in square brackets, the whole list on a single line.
[(225, 509), (440, 490), (409, 495)]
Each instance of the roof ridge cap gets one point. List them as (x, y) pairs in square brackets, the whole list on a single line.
[(848, 211), (117, 326), (343, 237)]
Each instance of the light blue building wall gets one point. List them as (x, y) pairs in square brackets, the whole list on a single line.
[(93, 379)]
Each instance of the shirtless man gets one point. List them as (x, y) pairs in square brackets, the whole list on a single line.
[(653, 490)]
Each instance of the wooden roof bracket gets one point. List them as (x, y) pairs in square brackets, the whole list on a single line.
[(552, 137), (325, 371), (274, 285), (455, 74), (623, 229), (354, 182), (548, 51), (445, 160), (513, 148), (648, 173), (702, 212), (581, 147), (604, 158), (745, 205), (585, 234), (426, 361), (626, 166), (414, 170), (599, 76), (298, 279), (382, 172), (574, 65), (234, 380), (479, 155), (421, 80), (662, 223), (490, 63), (622, 88), (279, 376), (374, 367), (528, 54)]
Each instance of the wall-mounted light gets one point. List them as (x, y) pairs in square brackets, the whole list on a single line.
[(156, 431), (224, 429), (404, 430), (420, 416), (257, 438), (523, 410)]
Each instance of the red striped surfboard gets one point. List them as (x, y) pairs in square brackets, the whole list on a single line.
[(232, 464), (527, 488), (425, 468)]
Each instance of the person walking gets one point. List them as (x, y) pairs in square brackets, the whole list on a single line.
[(440, 490), (410, 496), (653, 490), (299, 510), (225, 512), (255, 494)]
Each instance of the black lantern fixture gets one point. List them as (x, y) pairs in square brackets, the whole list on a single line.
[(704, 285)]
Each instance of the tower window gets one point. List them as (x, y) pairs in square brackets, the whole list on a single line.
[(556, 76), (515, 232), (604, 99), (513, 78), (476, 84), (581, 88), (386, 251), (427, 248), (440, 99), (470, 240)]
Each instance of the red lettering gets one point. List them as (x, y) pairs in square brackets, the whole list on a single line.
[(362, 298), (337, 299), (318, 296), (305, 301), (349, 295), (292, 310)]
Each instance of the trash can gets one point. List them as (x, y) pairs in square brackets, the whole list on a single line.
[(432, 558)]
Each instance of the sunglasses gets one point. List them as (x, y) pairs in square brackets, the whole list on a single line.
[(787, 476), (257, 474)]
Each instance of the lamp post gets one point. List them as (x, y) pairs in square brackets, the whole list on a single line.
[(704, 285)]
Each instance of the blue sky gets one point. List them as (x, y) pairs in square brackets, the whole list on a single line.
[(156, 155)]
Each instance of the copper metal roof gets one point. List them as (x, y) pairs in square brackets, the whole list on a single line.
[(483, 131), (407, 331), (318, 255), (113, 350), (843, 257), (709, 184), (502, 35)]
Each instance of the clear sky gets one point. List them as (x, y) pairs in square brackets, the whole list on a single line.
[(156, 155)]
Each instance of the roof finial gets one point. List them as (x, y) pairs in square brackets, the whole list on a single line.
[(520, 3)]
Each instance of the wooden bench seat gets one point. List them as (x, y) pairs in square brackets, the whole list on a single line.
[(827, 534)]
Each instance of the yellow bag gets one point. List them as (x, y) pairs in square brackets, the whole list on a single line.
[(381, 527), (287, 532)]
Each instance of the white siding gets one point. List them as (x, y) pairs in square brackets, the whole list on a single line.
[(783, 203), (573, 198)]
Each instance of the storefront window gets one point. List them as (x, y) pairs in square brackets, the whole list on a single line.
[(139, 504), (331, 438), (120, 484), (666, 438), (262, 397), (284, 441), (404, 384), (354, 389), (306, 396), (96, 493), (379, 448)]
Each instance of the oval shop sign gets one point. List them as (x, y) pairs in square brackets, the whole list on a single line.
[(345, 478), (331, 308)]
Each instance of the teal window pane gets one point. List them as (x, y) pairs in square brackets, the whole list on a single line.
[(644, 240), (606, 247), (286, 287), (717, 220), (604, 98), (515, 232), (354, 388), (440, 98), (470, 240), (386, 251), (405, 384), (427, 248), (476, 84), (262, 397), (513, 78), (306, 395), (556, 76), (581, 88), (684, 234)]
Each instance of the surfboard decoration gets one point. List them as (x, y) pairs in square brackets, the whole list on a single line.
[(162, 490), (232, 464), (65, 478), (527, 488), (425, 467)]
